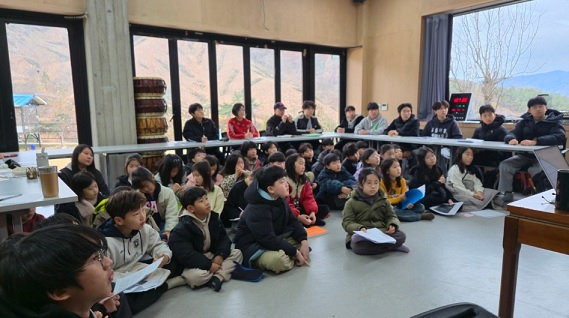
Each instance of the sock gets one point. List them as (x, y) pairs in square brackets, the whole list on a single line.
[(247, 274), (175, 282)]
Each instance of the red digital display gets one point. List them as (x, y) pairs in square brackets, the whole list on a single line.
[(457, 100)]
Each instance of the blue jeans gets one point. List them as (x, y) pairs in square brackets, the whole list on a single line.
[(410, 215)]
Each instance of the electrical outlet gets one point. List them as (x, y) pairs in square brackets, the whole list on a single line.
[(383, 106)]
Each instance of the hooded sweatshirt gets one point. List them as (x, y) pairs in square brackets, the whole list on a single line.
[(373, 126), (448, 128), (265, 225), (192, 237), (126, 252)]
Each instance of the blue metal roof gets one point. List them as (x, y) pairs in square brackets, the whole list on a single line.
[(27, 100)]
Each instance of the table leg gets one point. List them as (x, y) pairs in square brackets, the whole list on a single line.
[(509, 267)]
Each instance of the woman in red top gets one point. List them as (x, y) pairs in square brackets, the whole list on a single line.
[(240, 127)]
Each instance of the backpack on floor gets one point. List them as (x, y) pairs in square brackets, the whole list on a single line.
[(523, 183), (541, 182)]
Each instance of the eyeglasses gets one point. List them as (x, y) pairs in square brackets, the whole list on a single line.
[(101, 254)]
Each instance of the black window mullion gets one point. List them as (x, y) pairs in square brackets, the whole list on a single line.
[(8, 131), (80, 80), (212, 54), (278, 92), (247, 80), (343, 83), (175, 88)]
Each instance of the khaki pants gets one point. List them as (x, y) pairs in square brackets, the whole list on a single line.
[(197, 277), (277, 261)]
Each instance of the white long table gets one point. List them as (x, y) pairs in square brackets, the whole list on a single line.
[(28, 157), (31, 196)]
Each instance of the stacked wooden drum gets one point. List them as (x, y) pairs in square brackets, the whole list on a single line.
[(151, 123)]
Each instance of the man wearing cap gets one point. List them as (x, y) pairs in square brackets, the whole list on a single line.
[(280, 123), (373, 124)]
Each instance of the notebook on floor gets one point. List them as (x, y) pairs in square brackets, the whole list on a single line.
[(551, 160), (316, 231)]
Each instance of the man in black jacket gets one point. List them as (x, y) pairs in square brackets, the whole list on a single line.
[(201, 129), (539, 127), (280, 123)]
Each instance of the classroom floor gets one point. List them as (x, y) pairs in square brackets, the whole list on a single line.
[(452, 259)]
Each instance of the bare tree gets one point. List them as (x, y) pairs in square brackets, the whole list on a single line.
[(490, 46)]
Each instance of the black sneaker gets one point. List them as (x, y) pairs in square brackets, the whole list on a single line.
[(320, 222), (215, 284)]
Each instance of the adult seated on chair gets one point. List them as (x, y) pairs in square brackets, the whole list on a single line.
[(202, 129), (280, 123), (240, 127), (539, 127)]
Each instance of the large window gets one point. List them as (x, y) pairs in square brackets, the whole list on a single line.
[(43, 84), (229, 81), (194, 77), (262, 85), (151, 61), (291, 80), (509, 54), (327, 89)]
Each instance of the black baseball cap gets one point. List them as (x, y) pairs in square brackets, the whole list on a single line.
[(279, 105)]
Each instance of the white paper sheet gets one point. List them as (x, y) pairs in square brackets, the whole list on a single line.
[(135, 278), (375, 235), (489, 214)]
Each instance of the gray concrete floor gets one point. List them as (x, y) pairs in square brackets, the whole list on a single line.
[(452, 259)]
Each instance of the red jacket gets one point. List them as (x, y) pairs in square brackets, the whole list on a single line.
[(237, 129), (305, 199)]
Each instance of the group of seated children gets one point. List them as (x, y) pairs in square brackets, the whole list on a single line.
[(273, 197)]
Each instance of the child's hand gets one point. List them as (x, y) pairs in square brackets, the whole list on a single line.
[(304, 250), (410, 206), (167, 234), (314, 185), (238, 172), (218, 260), (300, 260), (214, 268), (451, 202), (390, 229), (165, 260), (204, 139), (342, 196), (442, 179), (312, 217), (479, 195), (346, 190), (402, 197), (304, 219), (112, 303), (176, 187), (363, 229)]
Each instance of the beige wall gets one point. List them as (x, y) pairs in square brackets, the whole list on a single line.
[(323, 22)]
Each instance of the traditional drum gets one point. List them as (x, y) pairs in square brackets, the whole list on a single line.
[(149, 126), (150, 159), (149, 87), (151, 139), (150, 106)]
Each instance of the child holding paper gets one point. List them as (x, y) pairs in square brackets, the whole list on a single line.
[(369, 208), (395, 188), (428, 173), (465, 185)]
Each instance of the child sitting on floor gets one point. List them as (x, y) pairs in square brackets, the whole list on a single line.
[(427, 173), (465, 185), (171, 172), (202, 175), (395, 188), (131, 163), (161, 201), (369, 208), (200, 244), (268, 234), (334, 183), (301, 199)]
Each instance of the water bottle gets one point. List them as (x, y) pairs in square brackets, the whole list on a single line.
[(42, 159)]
